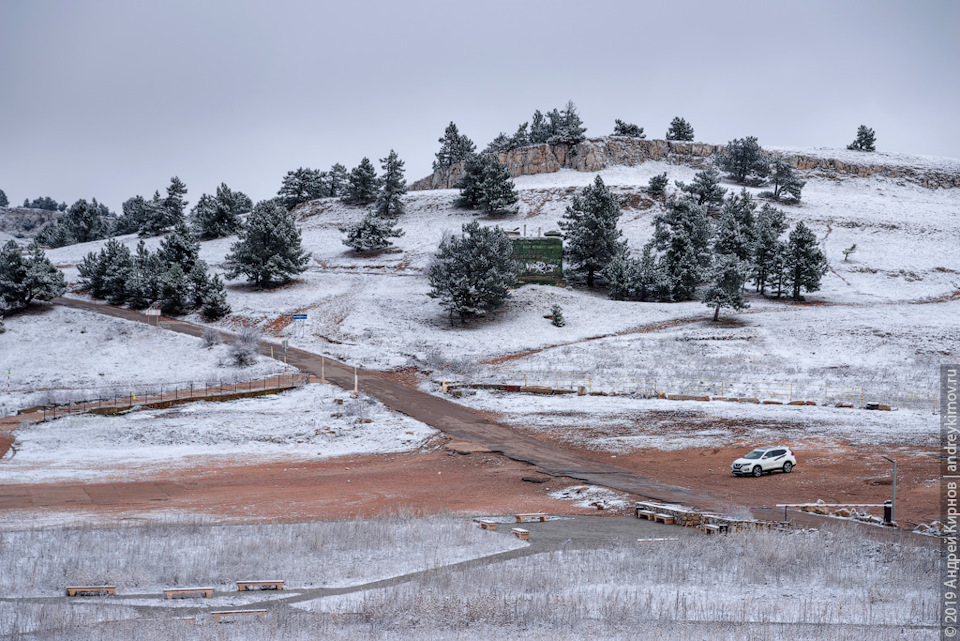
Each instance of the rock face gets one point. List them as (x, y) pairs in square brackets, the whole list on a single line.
[(594, 154)]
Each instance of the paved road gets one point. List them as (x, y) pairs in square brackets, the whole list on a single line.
[(448, 417)]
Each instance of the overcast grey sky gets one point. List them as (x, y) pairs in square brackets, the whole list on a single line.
[(109, 99)]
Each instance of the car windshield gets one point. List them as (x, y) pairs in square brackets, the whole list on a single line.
[(755, 454)]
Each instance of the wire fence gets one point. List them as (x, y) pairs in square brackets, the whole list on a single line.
[(114, 399)]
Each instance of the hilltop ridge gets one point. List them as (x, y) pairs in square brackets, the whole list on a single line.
[(594, 154)]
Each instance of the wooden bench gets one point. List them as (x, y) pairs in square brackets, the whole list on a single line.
[(262, 614), (647, 514), (488, 525), (243, 586), (91, 590), (206, 593), (668, 519), (540, 516), (711, 528), (520, 533)]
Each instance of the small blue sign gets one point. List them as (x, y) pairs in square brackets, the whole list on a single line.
[(299, 317)]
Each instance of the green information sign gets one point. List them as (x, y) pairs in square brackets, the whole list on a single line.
[(540, 260)]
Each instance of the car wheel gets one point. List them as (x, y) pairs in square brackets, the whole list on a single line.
[(757, 471), (787, 467)]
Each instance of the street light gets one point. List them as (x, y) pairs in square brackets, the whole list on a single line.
[(893, 510)]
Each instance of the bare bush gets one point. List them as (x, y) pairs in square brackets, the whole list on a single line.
[(243, 350), (210, 337)]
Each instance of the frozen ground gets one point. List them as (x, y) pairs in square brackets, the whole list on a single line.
[(297, 424), (625, 424), (55, 354)]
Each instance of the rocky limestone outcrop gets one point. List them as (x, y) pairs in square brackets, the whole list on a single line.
[(595, 154)]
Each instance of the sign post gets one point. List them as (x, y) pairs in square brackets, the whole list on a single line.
[(154, 313)]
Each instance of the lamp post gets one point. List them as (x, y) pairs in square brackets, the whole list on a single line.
[(893, 511)]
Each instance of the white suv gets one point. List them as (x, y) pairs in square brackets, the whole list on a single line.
[(765, 459)]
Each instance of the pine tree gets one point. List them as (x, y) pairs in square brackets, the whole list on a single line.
[(865, 141), (268, 249), (301, 185), (502, 142), (744, 161), (736, 233), (472, 274), (155, 218), (117, 269), (362, 184), (590, 230), (725, 284), (83, 222), (540, 129), (97, 269), (705, 187), (392, 187), (627, 129), (24, 280), (180, 247), (567, 127), (486, 185), (454, 147), (373, 233), (804, 263), (767, 248), (658, 184), (521, 138), (682, 234), (651, 280), (215, 304), (219, 216), (556, 316), (174, 205), (4, 202), (337, 180), (621, 277), (784, 180), (680, 129), (143, 287), (175, 295), (199, 283)]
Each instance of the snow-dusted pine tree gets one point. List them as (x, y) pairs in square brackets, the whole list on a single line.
[(301, 185), (658, 184), (486, 185), (454, 147), (156, 220), (591, 236), (4, 202), (621, 277), (362, 184), (174, 205), (392, 187), (176, 298), (736, 233), (866, 140), (705, 187), (804, 263), (472, 274), (784, 180), (373, 233), (25, 279), (682, 234), (767, 247), (628, 129), (96, 268), (215, 304), (725, 281), (336, 180), (568, 128), (744, 161), (180, 247), (199, 283), (556, 316), (268, 250), (680, 129)]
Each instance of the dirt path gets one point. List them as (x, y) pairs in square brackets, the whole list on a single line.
[(452, 419)]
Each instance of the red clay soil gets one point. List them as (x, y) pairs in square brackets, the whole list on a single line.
[(834, 472), (425, 482)]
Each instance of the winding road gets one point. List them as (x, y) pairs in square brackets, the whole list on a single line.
[(448, 417)]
